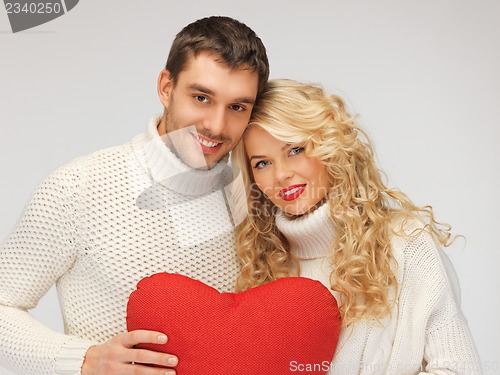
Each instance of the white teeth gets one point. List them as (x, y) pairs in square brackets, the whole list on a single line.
[(293, 191), (206, 143)]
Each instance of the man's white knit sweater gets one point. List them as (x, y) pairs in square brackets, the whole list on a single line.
[(426, 332), (97, 226)]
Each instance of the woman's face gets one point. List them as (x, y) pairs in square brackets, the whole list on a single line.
[(291, 180)]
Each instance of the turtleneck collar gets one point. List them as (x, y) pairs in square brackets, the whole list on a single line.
[(310, 236), (165, 168)]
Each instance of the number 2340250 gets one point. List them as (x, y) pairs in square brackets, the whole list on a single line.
[(33, 8)]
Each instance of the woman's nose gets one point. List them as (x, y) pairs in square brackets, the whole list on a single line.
[(283, 171)]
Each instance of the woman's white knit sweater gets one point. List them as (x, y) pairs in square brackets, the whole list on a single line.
[(95, 227), (426, 332)]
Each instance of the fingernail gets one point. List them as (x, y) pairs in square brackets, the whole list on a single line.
[(170, 372), (162, 339), (173, 361)]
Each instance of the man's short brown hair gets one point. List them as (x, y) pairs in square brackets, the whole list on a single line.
[(237, 45)]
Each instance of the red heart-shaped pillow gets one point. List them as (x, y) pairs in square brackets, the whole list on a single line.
[(274, 329)]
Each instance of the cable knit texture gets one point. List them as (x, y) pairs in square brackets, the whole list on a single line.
[(426, 332), (95, 227)]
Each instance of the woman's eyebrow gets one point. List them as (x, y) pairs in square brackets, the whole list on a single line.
[(286, 146), (257, 157)]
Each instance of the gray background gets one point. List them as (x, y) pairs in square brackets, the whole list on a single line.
[(423, 75)]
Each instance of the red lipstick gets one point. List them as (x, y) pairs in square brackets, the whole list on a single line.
[(292, 192)]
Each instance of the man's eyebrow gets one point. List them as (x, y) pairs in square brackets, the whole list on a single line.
[(245, 100), (201, 88), (205, 90)]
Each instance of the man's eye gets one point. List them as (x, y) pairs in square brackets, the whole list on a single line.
[(237, 107), (201, 98), (296, 150), (261, 164)]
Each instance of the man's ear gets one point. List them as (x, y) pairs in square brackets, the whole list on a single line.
[(165, 86)]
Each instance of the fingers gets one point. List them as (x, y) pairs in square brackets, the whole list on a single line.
[(154, 358), (129, 339), (138, 369)]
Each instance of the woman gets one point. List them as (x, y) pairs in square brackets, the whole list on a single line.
[(318, 208)]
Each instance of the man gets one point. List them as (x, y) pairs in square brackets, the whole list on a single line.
[(98, 225)]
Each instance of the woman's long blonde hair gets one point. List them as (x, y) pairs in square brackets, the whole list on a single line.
[(360, 205)]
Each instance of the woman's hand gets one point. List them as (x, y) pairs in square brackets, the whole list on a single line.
[(118, 356)]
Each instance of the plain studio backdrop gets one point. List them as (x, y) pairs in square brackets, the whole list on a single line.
[(422, 75)]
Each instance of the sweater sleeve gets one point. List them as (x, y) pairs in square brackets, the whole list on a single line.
[(449, 346), (39, 250)]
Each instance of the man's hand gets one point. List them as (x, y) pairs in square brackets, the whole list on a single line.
[(118, 356)]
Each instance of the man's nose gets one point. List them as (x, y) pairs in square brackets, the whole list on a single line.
[(215, 123)]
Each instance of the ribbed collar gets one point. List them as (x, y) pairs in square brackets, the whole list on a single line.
[(310, 236), (169, 171)]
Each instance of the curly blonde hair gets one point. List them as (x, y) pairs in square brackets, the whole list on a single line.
[(361, 206)]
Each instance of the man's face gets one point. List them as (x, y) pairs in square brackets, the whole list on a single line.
[(207, 110)]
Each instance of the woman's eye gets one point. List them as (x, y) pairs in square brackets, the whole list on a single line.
[(296, 150), (261, 164)]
